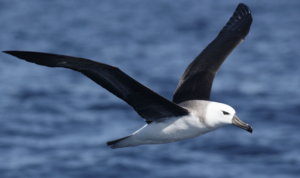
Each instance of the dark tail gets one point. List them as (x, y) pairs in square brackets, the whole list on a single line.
[(116, 141)]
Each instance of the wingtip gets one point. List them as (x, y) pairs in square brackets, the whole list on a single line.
[(7, 52), (18, 54), (240, 21), (36, 57), (11, 52), (244, 7)]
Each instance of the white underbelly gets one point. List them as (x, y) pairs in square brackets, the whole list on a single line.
[(170, 130)]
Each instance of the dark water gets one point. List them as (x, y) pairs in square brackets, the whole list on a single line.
[(54, 123)]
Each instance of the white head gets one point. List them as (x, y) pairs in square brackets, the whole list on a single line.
[(219, 114)]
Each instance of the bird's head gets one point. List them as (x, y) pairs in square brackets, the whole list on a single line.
[(219, 114)]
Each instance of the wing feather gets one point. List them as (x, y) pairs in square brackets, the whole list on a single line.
[(146, 102), (197, 80)]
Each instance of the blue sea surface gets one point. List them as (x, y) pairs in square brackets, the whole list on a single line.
[(54, 122)]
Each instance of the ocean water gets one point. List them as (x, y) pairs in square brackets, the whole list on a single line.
[(54, 122)]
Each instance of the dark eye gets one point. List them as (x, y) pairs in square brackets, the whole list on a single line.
[(225, 113)]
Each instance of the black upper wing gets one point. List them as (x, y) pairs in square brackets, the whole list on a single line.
[(196, 82), (146, 102)]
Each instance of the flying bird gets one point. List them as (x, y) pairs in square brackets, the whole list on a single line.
[(191, 113)]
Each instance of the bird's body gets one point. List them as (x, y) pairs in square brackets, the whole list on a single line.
[(190, 114), (173, 129)]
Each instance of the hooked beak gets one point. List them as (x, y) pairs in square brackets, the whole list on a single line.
[(237, 122)]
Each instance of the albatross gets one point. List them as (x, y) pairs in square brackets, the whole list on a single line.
[(190, 114)]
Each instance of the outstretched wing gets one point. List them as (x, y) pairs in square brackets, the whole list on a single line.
[(147, 103), (196, 82)]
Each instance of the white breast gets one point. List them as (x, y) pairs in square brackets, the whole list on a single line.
[(170, 130)]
